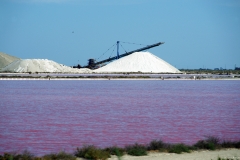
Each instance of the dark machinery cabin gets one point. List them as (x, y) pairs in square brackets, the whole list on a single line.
[(92, 64)]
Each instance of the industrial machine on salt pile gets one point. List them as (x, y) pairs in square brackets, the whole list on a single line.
[(93, 64)]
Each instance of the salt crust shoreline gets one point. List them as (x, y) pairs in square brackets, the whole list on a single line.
[(195, 155), (146, 79)]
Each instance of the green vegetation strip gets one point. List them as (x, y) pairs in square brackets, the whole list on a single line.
[(93, 152), (219, 158)]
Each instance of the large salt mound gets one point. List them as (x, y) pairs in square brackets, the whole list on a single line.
[(41, 65), (6, 59), (144, 62)]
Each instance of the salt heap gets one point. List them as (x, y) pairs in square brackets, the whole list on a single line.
[(41, 65), (144, 62), (6, 59)]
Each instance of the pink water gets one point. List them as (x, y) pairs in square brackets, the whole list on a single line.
[(51, 116)]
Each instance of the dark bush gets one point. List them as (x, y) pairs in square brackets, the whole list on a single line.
[(136, 150), (92, 152), (156, 145), (202, 144), (237, 144), (7, 156), (219, 158), (59, 156), (210, 143), (179, 148), (214, 140), (230, 144), (25, 155), (115, 151)]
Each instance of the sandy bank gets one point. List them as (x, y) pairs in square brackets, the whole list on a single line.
[(196, 155)]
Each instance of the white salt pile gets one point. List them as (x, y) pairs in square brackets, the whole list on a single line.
[(41, 65), (144, 62), (6, 59)]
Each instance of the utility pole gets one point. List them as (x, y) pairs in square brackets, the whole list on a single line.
[(117, 49)]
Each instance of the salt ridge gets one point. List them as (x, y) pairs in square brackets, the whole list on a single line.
[(6, 59), (40, 65), (144, 62)]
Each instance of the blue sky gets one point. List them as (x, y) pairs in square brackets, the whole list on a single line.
[(197, 33)]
